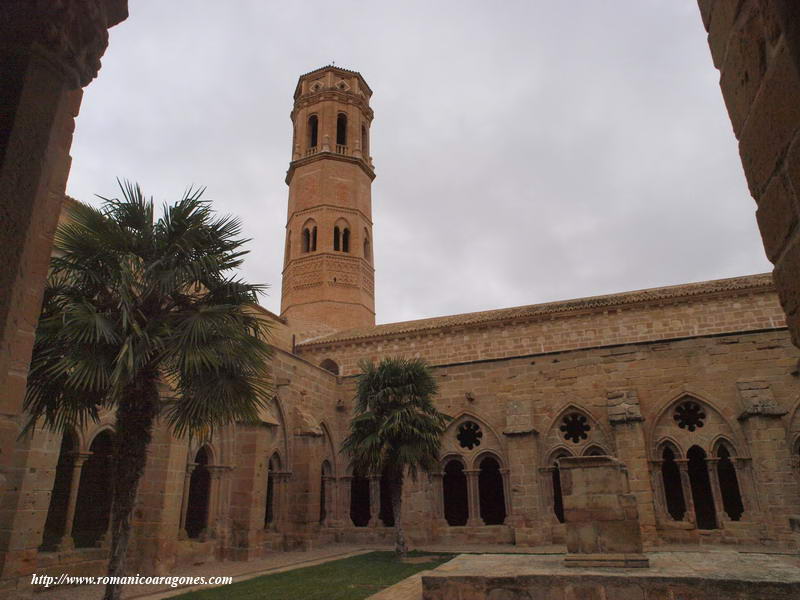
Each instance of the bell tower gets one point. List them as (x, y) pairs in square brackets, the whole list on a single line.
[(328, 276)]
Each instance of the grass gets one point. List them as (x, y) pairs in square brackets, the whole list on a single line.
[(351, 578)]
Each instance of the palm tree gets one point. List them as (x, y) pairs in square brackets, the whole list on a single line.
[(396, 428), (132, 304)]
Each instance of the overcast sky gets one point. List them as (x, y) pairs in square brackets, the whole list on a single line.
[(525, 151)]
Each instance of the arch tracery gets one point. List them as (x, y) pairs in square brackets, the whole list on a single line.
[(696, 474)]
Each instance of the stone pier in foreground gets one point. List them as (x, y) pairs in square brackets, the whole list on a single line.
[(600, 513)]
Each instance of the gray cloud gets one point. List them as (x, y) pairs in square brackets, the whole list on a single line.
[(525, 151)]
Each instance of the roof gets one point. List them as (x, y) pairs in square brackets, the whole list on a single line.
[(334, 68), (760, 282)]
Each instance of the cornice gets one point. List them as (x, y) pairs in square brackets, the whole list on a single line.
[(594, 304), (325, 207), (307, 160), (332, 95)]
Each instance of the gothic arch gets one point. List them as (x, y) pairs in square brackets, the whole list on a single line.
[(715, 425), (280, 442), (456, 438), (673, 445), (558, 452), (594, 450), (330, 454), (476, 461), (85, 443), (595, 435), (706, 448)]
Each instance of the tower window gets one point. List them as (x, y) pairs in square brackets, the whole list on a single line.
[(337, 239), (364, 142), (314, 239), (346, 240), (341, 129), (313, 127), (367, 249), (306, 240)]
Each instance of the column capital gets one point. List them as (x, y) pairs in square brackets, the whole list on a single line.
[(72, 34), (78, 458)]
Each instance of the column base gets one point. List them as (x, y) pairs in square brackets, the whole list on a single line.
[(65, 544)]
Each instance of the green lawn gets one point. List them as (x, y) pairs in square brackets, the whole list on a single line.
[(351, 578)]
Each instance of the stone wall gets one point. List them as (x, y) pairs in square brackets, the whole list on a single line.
[(749, 305), (755, 44)]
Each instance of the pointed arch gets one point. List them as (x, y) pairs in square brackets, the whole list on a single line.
[(576, 428), (330, 447), (487, 438), (594, 450), (715, 423), (669, 442)]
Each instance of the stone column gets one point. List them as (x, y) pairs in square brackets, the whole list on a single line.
[(716, 492), (329, 483), (281, 506), (505, 474), (688, 498), (473, 498), (216, 506), (374, 501), (67, 541), (345, 486), (185, 500), (48, 52)]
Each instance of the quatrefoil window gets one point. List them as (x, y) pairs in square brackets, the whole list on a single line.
[(469, 435), (689, 416), (575, 427)]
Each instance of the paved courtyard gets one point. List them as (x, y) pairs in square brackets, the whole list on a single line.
[(499, 560)]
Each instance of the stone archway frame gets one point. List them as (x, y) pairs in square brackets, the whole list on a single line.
[(708, 440), (504, 474), (490, 442)]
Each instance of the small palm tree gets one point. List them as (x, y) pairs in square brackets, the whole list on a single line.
[(396, 428), (133, 303)]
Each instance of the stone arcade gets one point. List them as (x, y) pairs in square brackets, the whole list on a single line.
[(694, 388)]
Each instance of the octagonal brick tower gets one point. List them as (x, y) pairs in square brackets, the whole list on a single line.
[(328, 274)]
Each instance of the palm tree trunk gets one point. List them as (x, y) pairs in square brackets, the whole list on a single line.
[(135, 415), (400, 547)]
